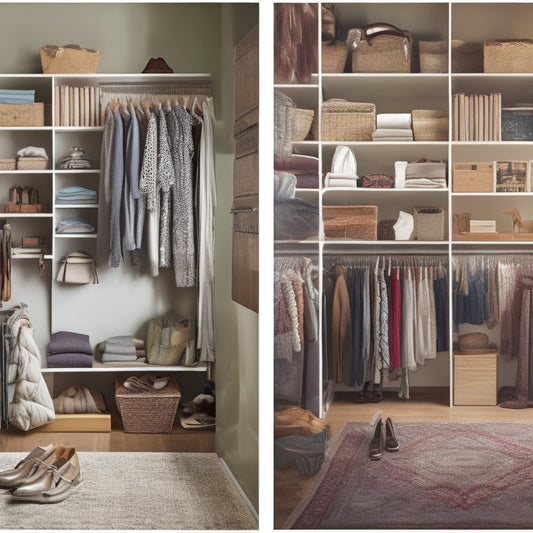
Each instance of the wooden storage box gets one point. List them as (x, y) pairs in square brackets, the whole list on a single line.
[(433, 56), (31, 163), (508, 55), (430, 223), (23, 115), (475, 379), (76, 423), (23, 208), (347, 121), (354, 222), (147, 412), (473, 177)]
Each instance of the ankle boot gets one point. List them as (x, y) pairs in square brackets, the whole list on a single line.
[(391, 444), (377, 443)]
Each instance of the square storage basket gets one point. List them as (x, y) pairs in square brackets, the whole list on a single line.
[(354, 222), (334, 57), (147, 412), (508, 56), (433, 56), (429, 125), (466, 57), (429, 223), (347, 121), (23, 115)]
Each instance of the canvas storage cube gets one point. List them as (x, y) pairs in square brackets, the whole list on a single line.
[(429, 125), (433, 56), (23, 115), (347, 121), (334, 57), (380, 48), (466, 57), (475, 378), (517, 124), (508, 55), (473, 177), (429, 223), (354, 222)]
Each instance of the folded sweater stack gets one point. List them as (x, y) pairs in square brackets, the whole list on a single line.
[(393, 127), (76, 195), (75, 225), (69, 349), (122, 348)]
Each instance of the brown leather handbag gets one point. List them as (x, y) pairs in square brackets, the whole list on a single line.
[(380, 47)]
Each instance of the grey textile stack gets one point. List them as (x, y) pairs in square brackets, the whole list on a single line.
[(69, 349), (425, 174), (76, 195), (122, 348)]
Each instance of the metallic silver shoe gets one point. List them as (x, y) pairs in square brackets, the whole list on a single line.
[(29, 467)]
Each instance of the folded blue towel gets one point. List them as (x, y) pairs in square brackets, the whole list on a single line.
[(16, 96), (76, 195), (75, 225)]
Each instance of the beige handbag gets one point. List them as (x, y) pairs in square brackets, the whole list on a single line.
[(77, 268), (166, 341)]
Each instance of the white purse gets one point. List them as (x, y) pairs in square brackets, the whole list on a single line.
[(77, 268)]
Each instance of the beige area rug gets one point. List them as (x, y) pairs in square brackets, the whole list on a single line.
[(136, 491)]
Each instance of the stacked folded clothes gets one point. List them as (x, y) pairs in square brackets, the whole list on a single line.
[(393, 127), (69, 349), (122, 348), (425, 174), (79, 399), (343, 169), (17, 96), (76, 195), (304, 167), (75, 225)]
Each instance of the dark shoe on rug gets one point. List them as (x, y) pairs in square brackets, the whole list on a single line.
[(378, 442), (391, 444)]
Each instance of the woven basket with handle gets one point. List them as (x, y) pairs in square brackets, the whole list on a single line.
[(347, 121)]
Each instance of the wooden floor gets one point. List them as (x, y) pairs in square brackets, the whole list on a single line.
[(424, 406), (180, 440)]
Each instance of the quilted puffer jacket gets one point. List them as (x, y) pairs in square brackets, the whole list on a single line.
[(30, 404)]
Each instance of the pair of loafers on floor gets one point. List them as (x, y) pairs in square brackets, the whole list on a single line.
[(45, 475), (384, 439)]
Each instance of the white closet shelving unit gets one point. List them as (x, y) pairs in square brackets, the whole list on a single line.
[(90, 309), (391, 92)]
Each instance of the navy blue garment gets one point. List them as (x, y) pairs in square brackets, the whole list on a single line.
[(440, 290), (356, 371)]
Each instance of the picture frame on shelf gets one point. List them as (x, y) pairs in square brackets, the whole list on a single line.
[(512, 176)]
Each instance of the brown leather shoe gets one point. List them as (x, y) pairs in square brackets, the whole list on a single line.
[(378, 442), (30, 466), (391, 444)]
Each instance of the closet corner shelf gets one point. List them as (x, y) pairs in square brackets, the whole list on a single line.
[(75, 235), (124, 367)]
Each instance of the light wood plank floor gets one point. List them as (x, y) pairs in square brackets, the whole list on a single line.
[(424, 405)]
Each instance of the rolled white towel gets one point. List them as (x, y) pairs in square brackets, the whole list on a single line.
[(399, 174), (344, 162), (404, 226), (394, 120), (340, 180)]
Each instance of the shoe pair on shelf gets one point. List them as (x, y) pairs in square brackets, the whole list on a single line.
[(384, 439), (45, 475)]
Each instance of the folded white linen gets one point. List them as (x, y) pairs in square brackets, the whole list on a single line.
[(336, 180), (399, 174), (393, 120)]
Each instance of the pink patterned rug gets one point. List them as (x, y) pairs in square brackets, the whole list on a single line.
[(444, 476)]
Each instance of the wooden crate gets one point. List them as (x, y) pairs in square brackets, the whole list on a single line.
[(354, 222), (473, 177), (475, 379), (72, 423)]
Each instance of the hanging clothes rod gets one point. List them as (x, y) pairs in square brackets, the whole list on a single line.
[(174, 87)]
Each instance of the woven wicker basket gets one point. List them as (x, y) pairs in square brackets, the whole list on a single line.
[(334, 57), (68, 59), (31, 163), (386, 230), (355, 222), (23, 115), (8, 164), (347, 121), (147, 412), (303, 119), (467, 57), (429, 125), (433, 56), (429, 223), (508, 56)]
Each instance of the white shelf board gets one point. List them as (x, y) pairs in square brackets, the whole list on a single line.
[(493, 194), (18, 171), (76, 206), (383, 190), (26, 215), (110, 367), (26, 128), (30, 256), (74, 129), (75, 235), (78, 171)]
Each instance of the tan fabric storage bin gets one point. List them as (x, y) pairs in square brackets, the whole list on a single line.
[(475, 378), (68, 59), (8, 164), (429, 125), (246, 163), (380, 52), (23, 115), (433, 56), (347, 121), (473, 177), (430, 222), (466, 57), (354, 222), (334, 57), (32, 163), (147, 412), (508, 56)]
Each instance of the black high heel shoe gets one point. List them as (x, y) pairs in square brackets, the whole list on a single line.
[(378, 442), (391, 444)]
